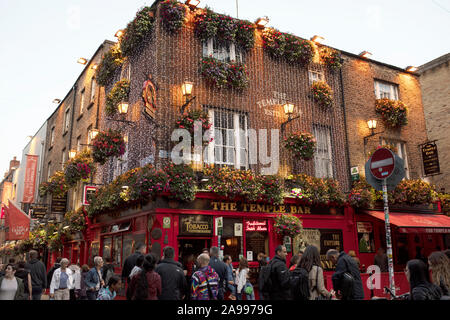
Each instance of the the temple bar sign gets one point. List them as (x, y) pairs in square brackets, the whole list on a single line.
[(430, 159)]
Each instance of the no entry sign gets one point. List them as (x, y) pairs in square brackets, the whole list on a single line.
[(382, 163)]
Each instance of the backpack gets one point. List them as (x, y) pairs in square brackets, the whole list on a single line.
[(265, 280), (299, 284)]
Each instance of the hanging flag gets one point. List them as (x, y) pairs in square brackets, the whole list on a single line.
[(30, 179), (18, 223), (2, 215)]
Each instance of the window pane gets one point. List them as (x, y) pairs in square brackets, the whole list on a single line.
[(322, 156), (117, 251), (106, 249)]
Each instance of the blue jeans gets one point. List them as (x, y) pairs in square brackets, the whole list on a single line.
[(247, 296), (36, 293)]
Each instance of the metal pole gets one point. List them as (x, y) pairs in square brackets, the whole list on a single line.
[(388, 238)]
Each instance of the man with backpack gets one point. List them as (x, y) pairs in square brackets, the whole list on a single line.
[(346, 279), (274, 281)]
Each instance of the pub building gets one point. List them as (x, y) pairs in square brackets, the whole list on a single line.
[(167, 78)]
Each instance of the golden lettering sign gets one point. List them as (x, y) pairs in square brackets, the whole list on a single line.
[(256, 207)]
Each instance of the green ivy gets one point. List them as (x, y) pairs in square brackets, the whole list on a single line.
[(136, 31), (119, 93), (111, 61)]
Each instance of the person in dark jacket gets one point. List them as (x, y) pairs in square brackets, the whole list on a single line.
[(130, 262), (84, 271), (108, 270), (350, 288), (173, 282), (280, 275), (94, 281), (38, 274), (57, 265), (24, 274), (221, 269), (419, 281)]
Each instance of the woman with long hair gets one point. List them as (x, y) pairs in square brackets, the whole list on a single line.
[(310, 261), (440, 270), (419, 281), (243, 283), (146, 285)]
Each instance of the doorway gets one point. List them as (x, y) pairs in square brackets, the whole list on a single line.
[(190, 248)]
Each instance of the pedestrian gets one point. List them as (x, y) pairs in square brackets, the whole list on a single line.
[(110, 291), (94, 281), (279, 275), (38, 274), (230, 279), (108, 270), (62, 282), (76, 273), (440, 270), (420, 255), (55, 266), (381, 260), (263, 294), (138, 267), (205, 281), (2, 271), (146, 285), (221, 268), (130, 262), (293, 262), (11, 287), (346, 279), (84, 271), (352, 254), (173, 281), (25, 276), (242, 280), (421, 288), (311, 263)]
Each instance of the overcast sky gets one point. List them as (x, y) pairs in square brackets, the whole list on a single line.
[(41, 41)]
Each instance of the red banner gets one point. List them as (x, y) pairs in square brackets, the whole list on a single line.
[(18, 223), (30, 179)]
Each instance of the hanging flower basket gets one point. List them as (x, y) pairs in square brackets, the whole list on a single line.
[(173, 15), (56, 185), (301, 144), (188, 120), (331, 58), (75, 221), (287, 225), (136, 31), (118, 94), (322, 93), (79, 168), (393, 112), (224, 75), (109, 143)]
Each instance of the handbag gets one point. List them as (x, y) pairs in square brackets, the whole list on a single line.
[(248, 289), (320, 296)]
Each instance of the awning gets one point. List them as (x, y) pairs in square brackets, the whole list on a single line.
[(415, 222)]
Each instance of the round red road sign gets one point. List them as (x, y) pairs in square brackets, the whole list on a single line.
[(382, 163)]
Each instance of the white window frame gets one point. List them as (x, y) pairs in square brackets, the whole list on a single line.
[(323, 170), (237, 143), (79, 143), (315, 76), (93, 88), (401, 151), (222, 55), (67, 120), (391, 93), (52, 136), (82, 101)]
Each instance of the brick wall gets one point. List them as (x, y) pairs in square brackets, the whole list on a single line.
[(435, 82)]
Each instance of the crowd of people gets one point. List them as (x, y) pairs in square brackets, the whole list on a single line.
[(209, 277)]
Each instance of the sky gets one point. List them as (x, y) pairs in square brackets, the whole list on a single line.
[(42, 41)]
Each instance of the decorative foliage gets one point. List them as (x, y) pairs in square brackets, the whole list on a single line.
[(316, 191), (56, 185), (107, 144), (75, 221), (232, 183), (111, 61), (387, 146), (136, 31), (413, 192), (322, 93), (331, 58), (301, 144), (362, 194), (287, 46), (173, 15), (224, 29), (393, 112), (445, 203), (287, 225), (224, 75), (78, 168), (118, 94), (188, 120), (180, 182)]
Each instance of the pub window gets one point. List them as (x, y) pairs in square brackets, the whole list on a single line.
[(92, 90), (116, 254), (256, 239), (323, 161), (401, 151), (230, 144), (232, 238), (63, 158), (106, 249), (225, 52), (82, 102), (48, 170), (79, 143), (88, 135), (121, 164), (66, 120), (386, 90), (315, 76), (52, 136), (129, 244)]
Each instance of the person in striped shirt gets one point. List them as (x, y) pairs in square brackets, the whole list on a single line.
[(205, 281)]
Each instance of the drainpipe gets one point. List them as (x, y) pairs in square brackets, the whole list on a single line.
[(74, 89), (345, 126)]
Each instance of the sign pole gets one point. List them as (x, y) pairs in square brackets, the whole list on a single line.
[(388, 237)]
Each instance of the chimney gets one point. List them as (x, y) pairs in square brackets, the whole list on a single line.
[(14, 163)]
